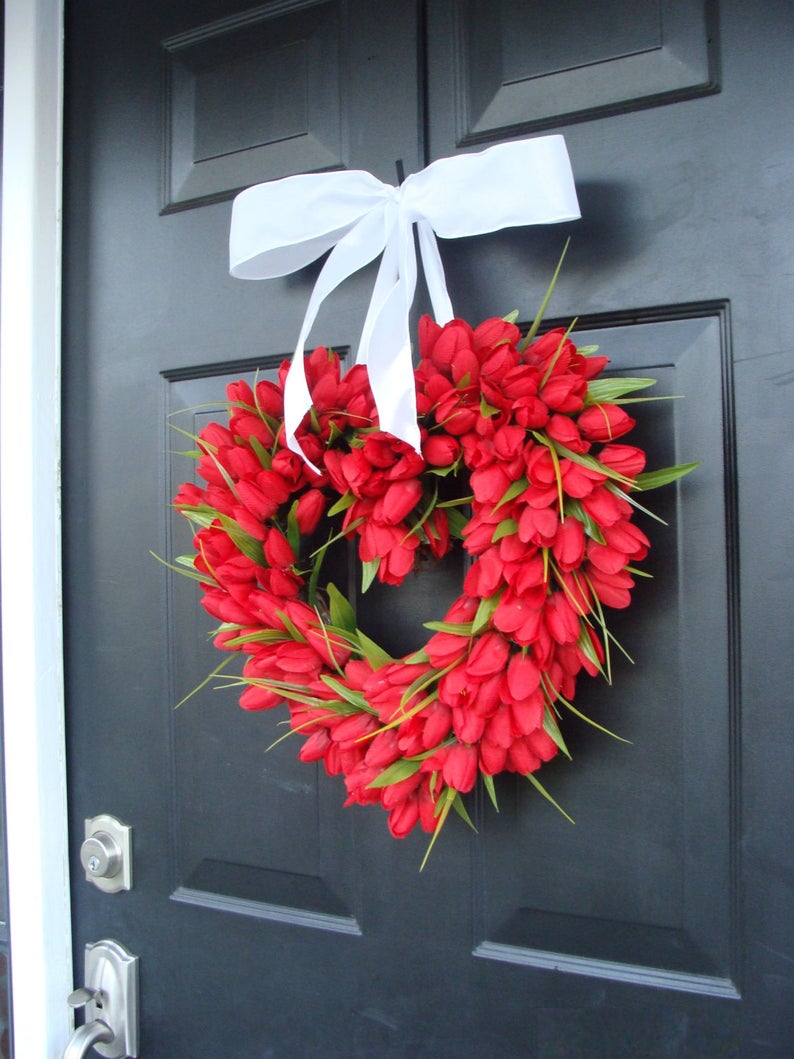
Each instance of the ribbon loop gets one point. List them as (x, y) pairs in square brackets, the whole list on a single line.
[(284, 225)]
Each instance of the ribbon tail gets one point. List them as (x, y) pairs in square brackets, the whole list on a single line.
[(388, 347), (396, 401), (434, 273), (387, 277), (357, 248), (297, 402)]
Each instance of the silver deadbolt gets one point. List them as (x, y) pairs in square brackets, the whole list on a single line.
[(106, 853)]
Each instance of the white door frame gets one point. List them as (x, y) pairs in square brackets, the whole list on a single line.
[(33, 699)]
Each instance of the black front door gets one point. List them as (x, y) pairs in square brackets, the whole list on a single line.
[(269, 920)]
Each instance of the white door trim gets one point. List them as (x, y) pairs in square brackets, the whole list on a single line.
[(33, 698)]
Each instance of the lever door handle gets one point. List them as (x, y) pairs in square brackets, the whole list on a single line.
[(85, 1037), (110, 1000)]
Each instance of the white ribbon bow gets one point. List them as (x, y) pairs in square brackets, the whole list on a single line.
[(281, 226)]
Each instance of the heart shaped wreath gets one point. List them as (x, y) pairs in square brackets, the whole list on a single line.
[(519, 462)]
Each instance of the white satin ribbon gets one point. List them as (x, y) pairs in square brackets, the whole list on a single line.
[(281, 226)]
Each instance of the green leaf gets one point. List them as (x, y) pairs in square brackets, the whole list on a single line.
[(342, 708), (539, 786), (318, 557), (216, 672), (585, 645), (291, 628), (654, 479), (598, 613), (418, 685), (590, 721), (342, 613), (262, 454), (487, 411), (326, 631), (296, 692), (460, 809), (485, 609), (505, 528), (612, 388), (355, 698), (591, 528), (582, 458), (416, 658), (647, 400), (293, 530), (187, 433), (200, 515), (372, 651), (635, 570), (513, 491), (544, 304), (223, 472), (185, 570), (555, 459), (258, 636), (369, 570), (342, 533), (342, 504), (487, 782), (557, 352), (402, 769), (443, 806), (630, 498), (459, 501), (430, 503), (248, 545), (455, 628), (552, 729), (457, 522), (443, 472), (511, 318)]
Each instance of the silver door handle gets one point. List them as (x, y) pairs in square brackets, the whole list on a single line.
[(110, 1000), (85, 1037)]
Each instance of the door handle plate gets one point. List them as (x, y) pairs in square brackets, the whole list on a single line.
[(110, 1000)]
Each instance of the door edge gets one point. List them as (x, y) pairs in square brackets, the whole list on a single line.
[(33, 691)]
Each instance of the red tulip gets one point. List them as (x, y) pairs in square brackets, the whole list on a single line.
[(488, 655), (493, 758), (309, 510), (614, 590), (398, 501), (625, 459), (604, 422), (495, 332), (278, 551), (440, 450), (404, 817), (523, 677), (460, 767)]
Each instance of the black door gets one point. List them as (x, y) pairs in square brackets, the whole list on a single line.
[(269, 920)]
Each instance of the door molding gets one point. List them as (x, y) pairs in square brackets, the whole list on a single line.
[(30, 520)]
